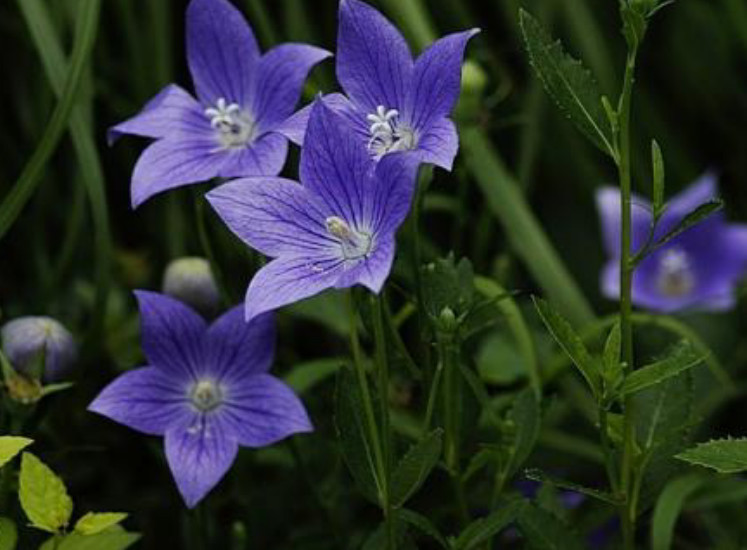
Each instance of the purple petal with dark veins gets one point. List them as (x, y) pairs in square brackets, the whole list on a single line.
[(294, 128), (373, 271), (273, 215), (374, 63), (149, 400), (221, 50), (264, 157), (389, 193), (439, 144), (172, 111)]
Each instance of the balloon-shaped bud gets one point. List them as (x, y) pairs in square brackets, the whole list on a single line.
[(39, 347), (191, 280)]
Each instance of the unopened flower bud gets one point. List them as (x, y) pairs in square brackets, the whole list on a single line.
[(191, 280), (447, 321), (27, 340)]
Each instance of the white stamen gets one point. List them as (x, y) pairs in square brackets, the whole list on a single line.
[(206, 395), (234, 126), (674, 277), (354, 244), (388, 134)]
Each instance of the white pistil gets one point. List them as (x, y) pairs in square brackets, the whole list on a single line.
[(234, 126), (354, 244), (674, 277), (206, 395), (388, 134)]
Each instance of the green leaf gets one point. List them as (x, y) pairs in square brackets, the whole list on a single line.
[(571, 343), (10, 446), (657, 161), (43, 496), (8, 534), (93, 523), (693, 218), (668, 508), (414, 467), (526, 419), (305, 376), (726, 456), (114, 538), (633, 15), (568, 82), (542, 530), (604, 496), (682, 358), (485, 528), (422, 524), (357, 450)]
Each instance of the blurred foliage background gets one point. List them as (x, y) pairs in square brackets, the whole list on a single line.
[(65, 258)]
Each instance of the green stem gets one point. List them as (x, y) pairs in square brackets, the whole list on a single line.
[(424, 328), (628, 512)]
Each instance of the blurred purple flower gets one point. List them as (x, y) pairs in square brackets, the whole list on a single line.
[(206, 389), (244, 100), (697, 269), (393, 102), (336, 230), (23, 339)]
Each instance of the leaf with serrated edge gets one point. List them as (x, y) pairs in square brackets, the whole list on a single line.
[(568, 82), (93, 523), (10, 446), (684, 357), (43, 495), (414, 468), (693, 218), (726, 456)]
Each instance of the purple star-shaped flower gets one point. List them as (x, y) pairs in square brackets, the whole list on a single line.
[(697, 269), (206, 389), (244, 100), (395, 103), (336, 230)]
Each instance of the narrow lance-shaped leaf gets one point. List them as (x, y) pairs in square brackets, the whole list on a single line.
[(682, 358), (726, 456), (414, 468), (571, 343), (568, 82), (604, 496), (693, 218), (657, 160), (485, 528), (668, 508), (543, 530), (422, 524)]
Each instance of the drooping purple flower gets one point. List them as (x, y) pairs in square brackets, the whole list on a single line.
[(25, 338), (243, 100), (698, 269), (206, 389), (393, 102), (335, 230)]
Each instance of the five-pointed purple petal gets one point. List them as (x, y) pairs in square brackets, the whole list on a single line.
[(698, 269), (244, 100), (206, 389), (334, 230)]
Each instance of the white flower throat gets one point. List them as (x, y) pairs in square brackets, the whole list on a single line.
[(206, 395), (674, 275), (234, 126), (388, 134), (354, 244)]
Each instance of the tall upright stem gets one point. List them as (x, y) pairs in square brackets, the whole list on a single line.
[(628, 512)]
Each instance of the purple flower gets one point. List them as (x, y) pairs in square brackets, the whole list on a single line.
[(206, 389), (336, 230), (697, 269), (244, 100), (393, 102), (23, 339)]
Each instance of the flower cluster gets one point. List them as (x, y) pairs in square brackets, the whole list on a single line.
[(206, 389)]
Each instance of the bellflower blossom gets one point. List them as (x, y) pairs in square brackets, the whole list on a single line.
[(697, 269), (395, 103), (243, 99), (206, 389), (335, 230), (23, 339)]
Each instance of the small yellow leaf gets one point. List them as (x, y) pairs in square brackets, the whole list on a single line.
[(93, 523), (43, 495), (10, 446)]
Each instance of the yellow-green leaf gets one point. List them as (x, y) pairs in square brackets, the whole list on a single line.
[(10, 446), (93, 523), (8, 534), (43, 495)]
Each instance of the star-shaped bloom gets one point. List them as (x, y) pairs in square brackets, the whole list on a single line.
[(698, 269), (336, 229), (395, 103), (243, 100), (206, 389)]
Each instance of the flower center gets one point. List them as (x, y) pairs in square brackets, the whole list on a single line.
[(234, 126), (206, 395), (388, 134), (355, 244), (674, 275)]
